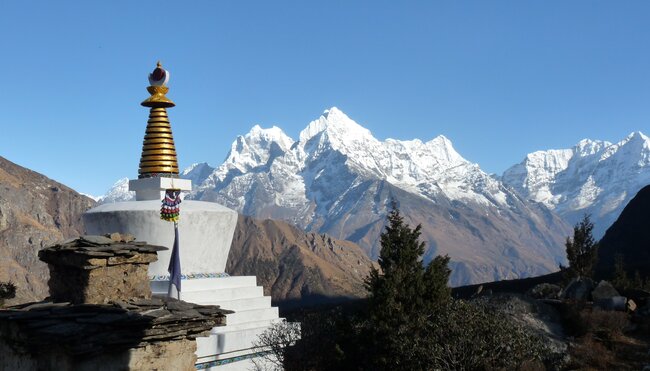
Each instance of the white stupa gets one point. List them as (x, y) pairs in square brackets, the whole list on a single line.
[(205, 232)]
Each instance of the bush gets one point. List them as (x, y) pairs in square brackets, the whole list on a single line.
[(606, 324), (7, 291), (274, 343), (472, 336), (589, 353)]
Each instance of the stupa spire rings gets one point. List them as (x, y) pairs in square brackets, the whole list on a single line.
[(158, 149)]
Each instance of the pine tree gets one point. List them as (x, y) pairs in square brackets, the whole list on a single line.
[(403, 295), (582, 250)]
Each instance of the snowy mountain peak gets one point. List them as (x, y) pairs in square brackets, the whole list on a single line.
[(445, 150), (594, 177), (118, 192), (258, 147), (194, 167), (638, 137), (262, 136), (587, 147), (197, 172), (338, 126)]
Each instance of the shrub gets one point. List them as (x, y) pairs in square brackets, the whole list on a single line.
[(469, 335), (606, 324), (588, 353), (273, 345), (7, 291)]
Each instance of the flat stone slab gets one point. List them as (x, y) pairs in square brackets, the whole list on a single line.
[(88, 329)]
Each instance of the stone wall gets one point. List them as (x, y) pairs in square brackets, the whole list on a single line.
[(177, 355)]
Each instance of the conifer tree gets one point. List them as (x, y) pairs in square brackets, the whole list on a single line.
[(582, 250), (403, 296)]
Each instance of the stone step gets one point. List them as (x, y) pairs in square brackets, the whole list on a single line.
[(253, 315), (210, 283), (242, 304), (214, 297), (246, 325), (219, 343), (207, 346), (236, 340)]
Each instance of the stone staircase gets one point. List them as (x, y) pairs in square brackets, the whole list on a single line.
[(228, 347)]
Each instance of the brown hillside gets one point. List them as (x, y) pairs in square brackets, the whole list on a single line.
[(35, 211), (293, 265)]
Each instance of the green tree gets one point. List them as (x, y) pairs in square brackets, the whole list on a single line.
[(403, 295), (582, 250)]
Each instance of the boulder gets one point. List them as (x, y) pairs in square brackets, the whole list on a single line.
[(613, 303), (544, 291), (604, 290), (578, 289), (631, 305)]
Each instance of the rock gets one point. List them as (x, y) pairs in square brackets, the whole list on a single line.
[(613, 303), (640, 296), (97, 240), (544, 291), (118, 237), (631, 305), (578, 289), (604, 290)]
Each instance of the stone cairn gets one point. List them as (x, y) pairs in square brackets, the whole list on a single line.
[(99, 269), (101, 314)]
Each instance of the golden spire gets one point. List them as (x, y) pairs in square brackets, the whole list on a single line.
[(158, 150)]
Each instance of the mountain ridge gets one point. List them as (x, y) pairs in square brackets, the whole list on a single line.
[(593, 177), (320, 181), (338, 179)]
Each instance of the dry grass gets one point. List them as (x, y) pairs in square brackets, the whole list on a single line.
[(605, 345), (590, 354), (609, 324)]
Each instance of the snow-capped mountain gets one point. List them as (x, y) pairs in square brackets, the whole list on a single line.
[(339, 179), (594, 177), (117, 193)]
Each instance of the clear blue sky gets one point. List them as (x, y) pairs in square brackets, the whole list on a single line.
[(499, 78)]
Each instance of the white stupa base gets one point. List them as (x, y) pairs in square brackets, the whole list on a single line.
[(230, 347), (205, 232)]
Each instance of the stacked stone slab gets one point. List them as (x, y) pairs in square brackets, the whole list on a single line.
[(100, 268)]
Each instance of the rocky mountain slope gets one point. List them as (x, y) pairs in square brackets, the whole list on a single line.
[(35, 211), (294, 266), (628, 236), (594, 177), (338, 179)]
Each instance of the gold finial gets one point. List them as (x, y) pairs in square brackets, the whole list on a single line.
[(158, 150), (158, 80)]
